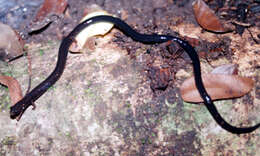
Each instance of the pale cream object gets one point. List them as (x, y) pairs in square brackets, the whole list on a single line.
[(100, 28)]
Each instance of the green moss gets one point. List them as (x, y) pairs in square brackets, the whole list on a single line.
[(92, 95), (68, 135), (128, 104), (178, 119), (89, 92), (5, 102), (41, 52), (25, 47), (9, 140), (199, 112), (7, 73), (52, 88), (50, 43), (143, 140)]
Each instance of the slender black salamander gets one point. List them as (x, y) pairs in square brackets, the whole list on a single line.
[(19, 108)]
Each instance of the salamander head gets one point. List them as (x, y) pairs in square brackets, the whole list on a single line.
[(17, 110)]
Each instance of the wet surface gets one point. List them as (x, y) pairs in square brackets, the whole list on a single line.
[(123, 98)]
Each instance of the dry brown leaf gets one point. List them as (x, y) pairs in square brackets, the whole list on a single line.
[(206, 17), (13, 85), (11, 44), (230, 69), (218, 86), (49, 11), (50, 7)]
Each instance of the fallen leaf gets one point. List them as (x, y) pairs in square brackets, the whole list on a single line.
[(218, 86), (50, 7), (100, 28), (48, 12), (230, 69), (206, 18), (13, 85), (11, 43)]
